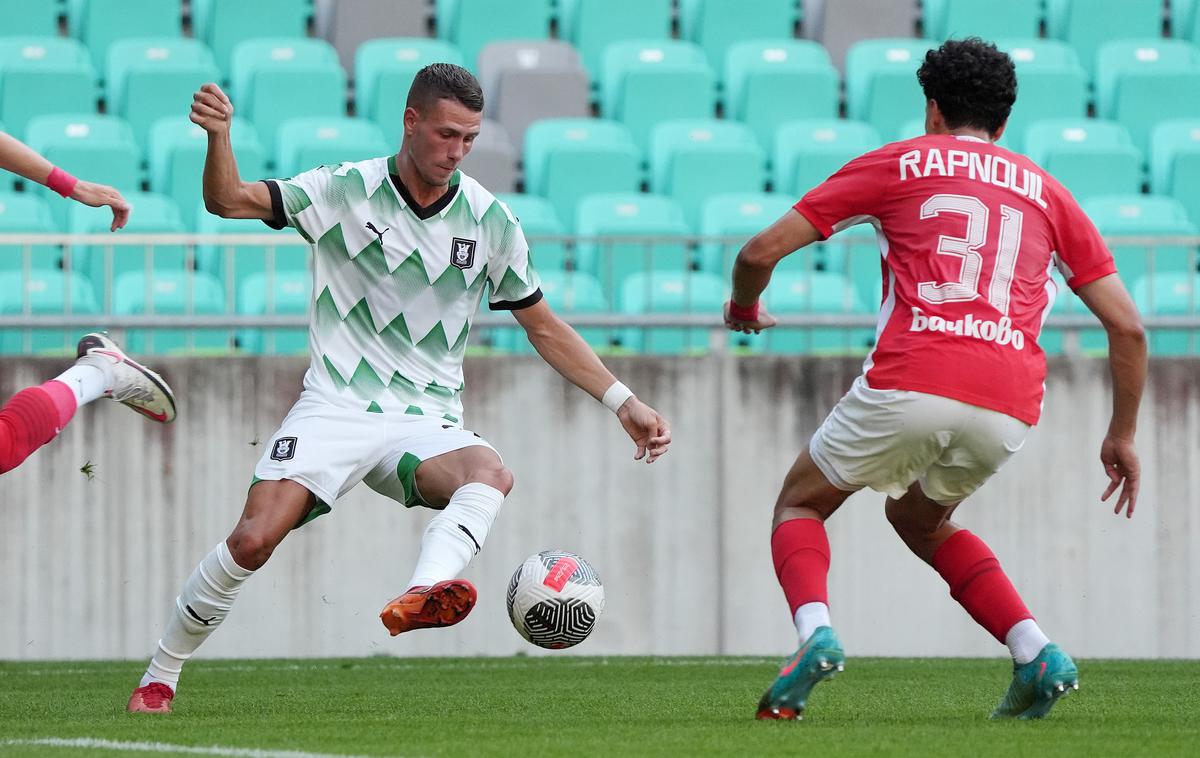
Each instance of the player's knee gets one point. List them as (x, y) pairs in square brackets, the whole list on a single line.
[(901, 519), (498, 476), (250, 548)]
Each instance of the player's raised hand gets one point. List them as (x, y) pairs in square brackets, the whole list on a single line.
[(764, 321), (211, 109), (647, 429), (97, 195), (1120, 461)]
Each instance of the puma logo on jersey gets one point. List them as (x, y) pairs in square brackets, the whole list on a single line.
[(999, 332), (378, 233)]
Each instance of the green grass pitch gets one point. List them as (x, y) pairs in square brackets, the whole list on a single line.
[(588, 706)]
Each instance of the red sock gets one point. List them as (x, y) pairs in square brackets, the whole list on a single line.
[(64, 401), (28, 420), (800, 549), (979, 584)]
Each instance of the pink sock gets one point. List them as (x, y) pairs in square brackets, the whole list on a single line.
[(64, 400)]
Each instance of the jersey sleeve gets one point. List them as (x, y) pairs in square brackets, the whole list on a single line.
[(853, 191), (307, 202), (514, 282), (1081, 255)]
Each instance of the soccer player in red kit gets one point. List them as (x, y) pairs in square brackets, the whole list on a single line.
[(968, 233)]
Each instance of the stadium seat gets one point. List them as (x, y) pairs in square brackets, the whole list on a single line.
[(48, 292), (1052, 339), (538, 218), (350, 24), (881, 83), (100, 23), (568, 293), (1175, 163), (309, 142), (648, 81), (823, 292), (223, 24), (566, 159), (944, 19), (493, 159), (171, 293), (808, 151), (911, 129), (591, 25), (617, 214), (1145, 216), (150, 78), (1050, 84), (471, 24), (736, 217), (1170, 294), (283, 293), (1088, 24), (383, 72), (670, 292), (26, 213), (715, 25), (29, 18), (525, 81), (768, 82), (177, 153), (276, 79), (1090, 157), (233, 263), (1185, 21), (41, 76), (101, 148), (1139, 83), (854, 253), (694, 159)]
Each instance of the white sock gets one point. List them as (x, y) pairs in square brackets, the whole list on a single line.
[(456, 534), (207, 596), (88, 382), (810, 616), (1025, 640)]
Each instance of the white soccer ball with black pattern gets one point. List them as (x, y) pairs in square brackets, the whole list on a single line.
[(554, 599)]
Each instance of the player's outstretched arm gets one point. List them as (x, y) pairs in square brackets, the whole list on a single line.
[(19, 158), (225, 194), (753, 267), (567, 353), (1109, 300)]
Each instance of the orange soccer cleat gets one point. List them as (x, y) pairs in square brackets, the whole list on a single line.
[(153, 698), (443, 604)]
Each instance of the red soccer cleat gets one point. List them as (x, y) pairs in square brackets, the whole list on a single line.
[(153, 698), (443, 604)]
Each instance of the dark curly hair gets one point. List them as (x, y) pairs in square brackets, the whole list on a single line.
[(973, 83)]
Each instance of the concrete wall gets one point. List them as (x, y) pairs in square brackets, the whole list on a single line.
[(90, 566)]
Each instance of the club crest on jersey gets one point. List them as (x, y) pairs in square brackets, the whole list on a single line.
[(284, 449), (462, 253)]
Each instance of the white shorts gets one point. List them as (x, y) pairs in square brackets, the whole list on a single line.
[(330, 449), (888, 439)]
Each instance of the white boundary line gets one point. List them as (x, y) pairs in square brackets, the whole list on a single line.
[(89, 743)]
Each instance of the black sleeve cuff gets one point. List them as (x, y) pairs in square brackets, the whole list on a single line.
[(279, 219), (516, 305)]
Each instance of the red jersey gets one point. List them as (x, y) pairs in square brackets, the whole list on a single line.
[(968, 232)]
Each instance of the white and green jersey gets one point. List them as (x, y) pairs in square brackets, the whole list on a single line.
[(395, 286)]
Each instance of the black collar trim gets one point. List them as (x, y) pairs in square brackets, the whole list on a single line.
[(428, 211)]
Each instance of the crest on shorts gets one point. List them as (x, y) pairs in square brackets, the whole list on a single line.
[(284, 449), (462, 253)]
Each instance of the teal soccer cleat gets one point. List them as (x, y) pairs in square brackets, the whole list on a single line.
[(818, 659), (1037, 685)]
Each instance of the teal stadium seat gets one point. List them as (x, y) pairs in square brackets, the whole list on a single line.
[(1088, 24), (383, 72), (101, 148), (716, 25), (911, 129), (1050, 84), (538, 218), (692, 160), (100, 23), (648, 81), (568, 293), (154, 77), (471, 24), (1170, 294), (566, 159), (1142, 82), (233, 263), (29, 18), (1090, 157), (223, 24), (1052, 339), (1175, 163), (630, 215), (591, 25), (881, 82), (49, 292), (854, 253), (736, 217), (284, 293), (1185, 21), (1145, 216), (177, 152), (808, 151), (276, 79), (769, 82), (26, 213), (309, 142), (815, 292), (171, 293), (40, 76), (670, 292), (946, 19)]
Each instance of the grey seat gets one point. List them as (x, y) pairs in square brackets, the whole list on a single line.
[(837, 24), (524, 81), (348, 23), (493, 160)]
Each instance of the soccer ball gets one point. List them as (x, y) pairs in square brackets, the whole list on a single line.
[(554, 599)]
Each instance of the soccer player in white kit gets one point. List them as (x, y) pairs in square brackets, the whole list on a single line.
[(404, 248), (968, 234)]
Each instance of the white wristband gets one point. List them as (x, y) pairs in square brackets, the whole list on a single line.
[(615, 396)]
